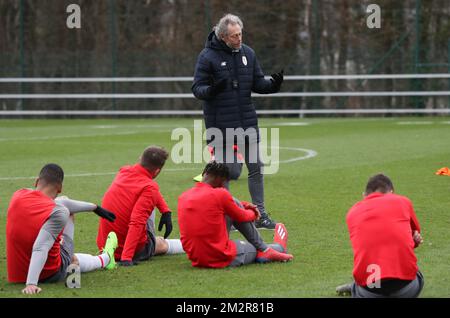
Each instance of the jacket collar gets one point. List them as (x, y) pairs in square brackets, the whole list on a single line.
[(139, 168), (375, 195), (214, 43), (203, 185)]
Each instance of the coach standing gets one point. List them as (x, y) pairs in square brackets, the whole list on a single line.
[(226, 74)]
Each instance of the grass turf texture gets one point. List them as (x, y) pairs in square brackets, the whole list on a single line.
[(311, 197)]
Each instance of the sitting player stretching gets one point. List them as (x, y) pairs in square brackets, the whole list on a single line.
[(40, 230), (134, 196), (205, 215)]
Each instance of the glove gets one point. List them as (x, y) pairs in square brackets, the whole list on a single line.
[(277, 79), (101, 212), (127, 263), (217, 87), (166, 219)]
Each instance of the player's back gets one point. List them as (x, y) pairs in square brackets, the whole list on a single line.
[(27, 212), (380, 228), (120, 198), (389, 214), (203, 229)]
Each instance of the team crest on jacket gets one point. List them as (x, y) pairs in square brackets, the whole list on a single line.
[(244, 60)]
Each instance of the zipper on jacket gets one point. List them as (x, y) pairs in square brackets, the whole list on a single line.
[(236, 77)]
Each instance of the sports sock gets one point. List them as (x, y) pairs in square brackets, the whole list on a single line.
[(89, 263), (175, 247)]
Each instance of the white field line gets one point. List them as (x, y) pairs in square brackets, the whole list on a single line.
[(309, 154), (80, 175), (68, 136), (423, 122), (415, 123), (294, 123)]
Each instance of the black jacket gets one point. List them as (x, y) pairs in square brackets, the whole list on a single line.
[(231, 108)]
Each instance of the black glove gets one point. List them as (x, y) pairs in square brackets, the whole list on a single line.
[(277, 79), (217, 86), (127, 263), (101, 212), (166, 219)]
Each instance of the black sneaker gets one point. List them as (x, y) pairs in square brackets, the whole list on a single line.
[(265, 223)]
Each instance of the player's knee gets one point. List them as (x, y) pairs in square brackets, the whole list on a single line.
[(235, 172), (238, 203), (161, 246)]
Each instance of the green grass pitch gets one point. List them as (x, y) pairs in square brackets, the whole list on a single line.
[(310, 196)]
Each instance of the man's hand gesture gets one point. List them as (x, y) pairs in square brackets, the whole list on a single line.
[(277, 79)]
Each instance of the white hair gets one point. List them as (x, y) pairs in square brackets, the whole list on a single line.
[(221, 28)]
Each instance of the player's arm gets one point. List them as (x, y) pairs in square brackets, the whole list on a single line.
[(260, 84), (42, 245), (166, 217), (234, 211), (75, 206), (138, 221), (159, 200), (252, 207), (201, 86), (415, 226)]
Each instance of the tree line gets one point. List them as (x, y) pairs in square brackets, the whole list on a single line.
[(163, 38)]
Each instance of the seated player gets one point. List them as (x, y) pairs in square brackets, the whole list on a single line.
[(133, 197), (384, 231), (205, 215), (40, 230)]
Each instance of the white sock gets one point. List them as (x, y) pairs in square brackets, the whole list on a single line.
[(175, 247), (89, 263)]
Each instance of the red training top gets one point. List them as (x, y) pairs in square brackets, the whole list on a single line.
[(381, 231), (27, 213), (132, 196), (203, 228)]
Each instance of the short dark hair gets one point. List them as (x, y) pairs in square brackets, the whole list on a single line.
[(154, 157), (379, 183), (217, 169), (52, 174)]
